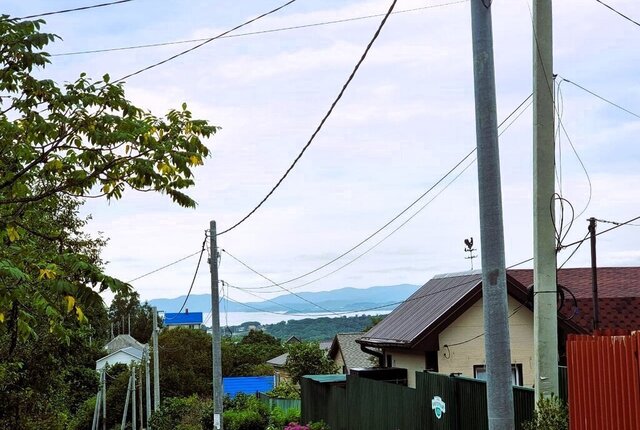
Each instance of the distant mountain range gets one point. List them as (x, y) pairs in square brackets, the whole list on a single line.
[(343, 299)]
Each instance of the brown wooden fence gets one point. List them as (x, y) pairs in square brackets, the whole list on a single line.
[(604, 381)]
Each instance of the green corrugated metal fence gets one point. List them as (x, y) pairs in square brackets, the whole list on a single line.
[(327, 402), (373, 405), (376, 405), (283, 404)]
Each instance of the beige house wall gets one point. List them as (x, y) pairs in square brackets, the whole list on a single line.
[(413, 362), (462, 358)]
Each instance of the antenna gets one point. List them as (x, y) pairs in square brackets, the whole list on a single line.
[(469, 248)]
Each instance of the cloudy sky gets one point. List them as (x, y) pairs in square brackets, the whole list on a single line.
[(406, 119)]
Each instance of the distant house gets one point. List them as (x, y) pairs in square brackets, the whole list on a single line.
[(183, 319), (347, 354), (123, 341), (122, 356), (278, 363)]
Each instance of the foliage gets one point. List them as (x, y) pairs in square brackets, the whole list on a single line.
[(248, 356), (319, 329), (179, 414), (307, 358), (126, 307), (318, 425), (551, 414), (285, 390), (280, 418), (185, 360), (243, 412), (59, 144), (375, 320), (43, 384)]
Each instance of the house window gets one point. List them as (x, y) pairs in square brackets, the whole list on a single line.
[(480, 372), (389, 361)]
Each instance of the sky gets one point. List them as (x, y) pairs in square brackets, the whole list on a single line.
[(405, 120)]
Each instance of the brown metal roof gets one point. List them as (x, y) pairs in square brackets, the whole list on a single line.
[(425, 307)]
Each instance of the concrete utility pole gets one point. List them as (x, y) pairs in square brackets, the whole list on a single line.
[(133, 398), (104, 398), (126, 404), (156, 364), (494, 282), (147, 382), (215, 330), (545, 302), (594, 274)]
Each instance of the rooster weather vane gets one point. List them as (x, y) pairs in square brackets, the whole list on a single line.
[(469, 248)]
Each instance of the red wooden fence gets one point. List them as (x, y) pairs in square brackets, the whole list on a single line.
[(604, 381)]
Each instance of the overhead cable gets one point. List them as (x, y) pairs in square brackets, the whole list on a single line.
[(276, 284), (75, 9), (402, 212), (163, 267), (253, 33), (322, 122), (211, 39), (619, 13), (193, 281), (600, 97)]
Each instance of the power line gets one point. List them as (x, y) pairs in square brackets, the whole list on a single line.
[(276, 284), (261, 298), (75, 9), (193, 281), (163, 267), (619, 13), (369, 237), (211, 39), (322, 122), (253, 33), (617, 225), (600, 97)]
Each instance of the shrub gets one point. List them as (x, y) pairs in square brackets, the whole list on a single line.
[(550, 415), (244, 420), (318, 425), (184, 413), (280, 418), (285, 390)]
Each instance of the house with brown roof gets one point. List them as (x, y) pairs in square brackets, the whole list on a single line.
[(440, 327)]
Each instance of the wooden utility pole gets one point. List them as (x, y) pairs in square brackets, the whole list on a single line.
[(594, 274), (215, 330), (545, 312), (494, 281)]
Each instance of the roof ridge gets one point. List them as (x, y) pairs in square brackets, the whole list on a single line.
[(457, 274)]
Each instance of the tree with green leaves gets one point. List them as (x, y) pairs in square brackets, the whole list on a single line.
[(306, 358), (60, 144), (128, 315), (65, 143)]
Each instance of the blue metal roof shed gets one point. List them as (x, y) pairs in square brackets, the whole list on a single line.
[(189, 318), (247, 384)]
